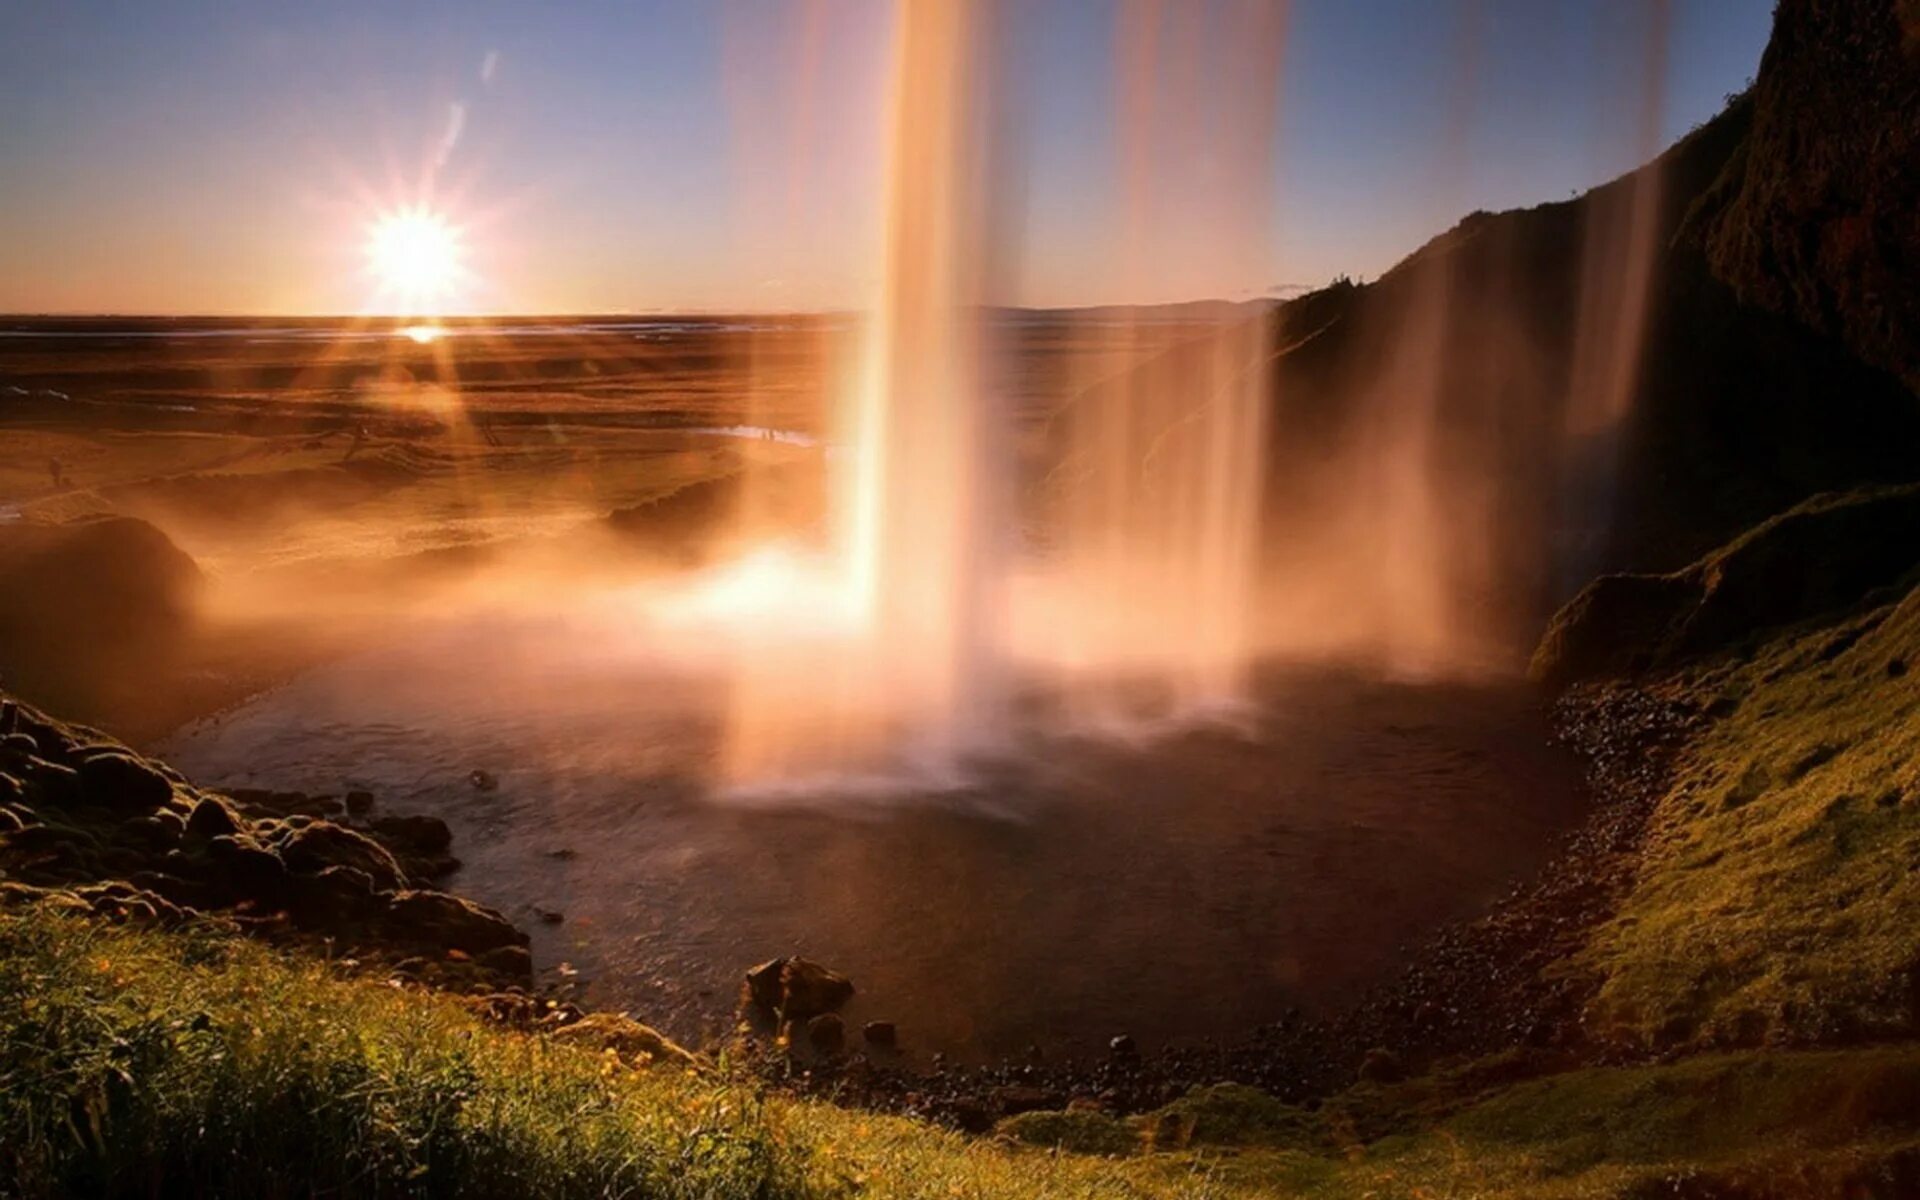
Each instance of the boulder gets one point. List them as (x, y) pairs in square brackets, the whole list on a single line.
[(249, 871), (119, 780), (333, 898), (797, 988), (211, 818), (624, 1036), (1815, 559), (881, 1033), (323, 844), (448, 922), (419, 835), (513, 962)]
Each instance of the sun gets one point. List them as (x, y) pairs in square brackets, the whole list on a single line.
[(415, 256)]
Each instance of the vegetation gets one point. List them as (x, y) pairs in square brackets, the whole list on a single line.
[(1777, 900), (136, 1062)]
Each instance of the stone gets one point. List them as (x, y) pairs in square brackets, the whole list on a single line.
[(880, 1033), (334, 897), (121, 781), (808, 989), (441, 920), (416, 834), (324, 844), (796, 988), (515, 962), (359, 803), (483, 781), (827, 1033), (624, 1036), (210, 818), (19, 743), (1122, 1046)]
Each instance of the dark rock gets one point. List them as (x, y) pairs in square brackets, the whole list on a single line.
[(827, 1033), (334, 897), (250, 871), (763, 984), (121, 781), (359, 803), (58, 783), (563, 854), (880, 1033), (809, 989), (19, 743), (415, 834), (796, 988), (438, 919), (211, 818), (1818, 557), (1896, 667), (483, 781), (1382, 1066), (11, 821), (549, 916), (322, 844), (1123, 1047), (91, 611), (514, 962)]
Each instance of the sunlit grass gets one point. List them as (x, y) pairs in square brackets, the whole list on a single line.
[(200, 1064)]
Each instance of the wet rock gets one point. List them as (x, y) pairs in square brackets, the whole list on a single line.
[(624, 1036), (250, 871), (514, 962), (322, 845), (121, 781), (420, 835), (58, 784), (11, 821), (796, 988), (438, 919), (359, 803), (211, 818), (19, 743), (880, 1033), (548, 916), (1123, 1048), (334, 897), (827, 1033)]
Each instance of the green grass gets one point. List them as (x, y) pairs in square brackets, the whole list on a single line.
[(1779, 901), (141, 1063)]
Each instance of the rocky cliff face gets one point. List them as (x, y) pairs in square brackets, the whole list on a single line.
[(1818, 215), (1777, 357)]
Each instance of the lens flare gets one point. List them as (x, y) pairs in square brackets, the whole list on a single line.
[(414, 255)]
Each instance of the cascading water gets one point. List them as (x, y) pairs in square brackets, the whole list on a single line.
[(922, 613)]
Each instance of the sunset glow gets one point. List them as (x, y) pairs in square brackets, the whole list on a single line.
[(414, 255)]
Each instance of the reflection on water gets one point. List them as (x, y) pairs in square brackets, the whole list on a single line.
[(1194, 885)]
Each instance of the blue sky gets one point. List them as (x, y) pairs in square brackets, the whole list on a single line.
[(674, 154)]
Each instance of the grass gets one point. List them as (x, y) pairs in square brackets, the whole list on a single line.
[(143, 1063), (1779, 901)]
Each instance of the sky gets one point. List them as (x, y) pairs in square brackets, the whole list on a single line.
[(231, 156)]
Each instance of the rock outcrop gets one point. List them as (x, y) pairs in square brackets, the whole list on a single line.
[(123, 836), (1815, 218), (1820, 556)]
